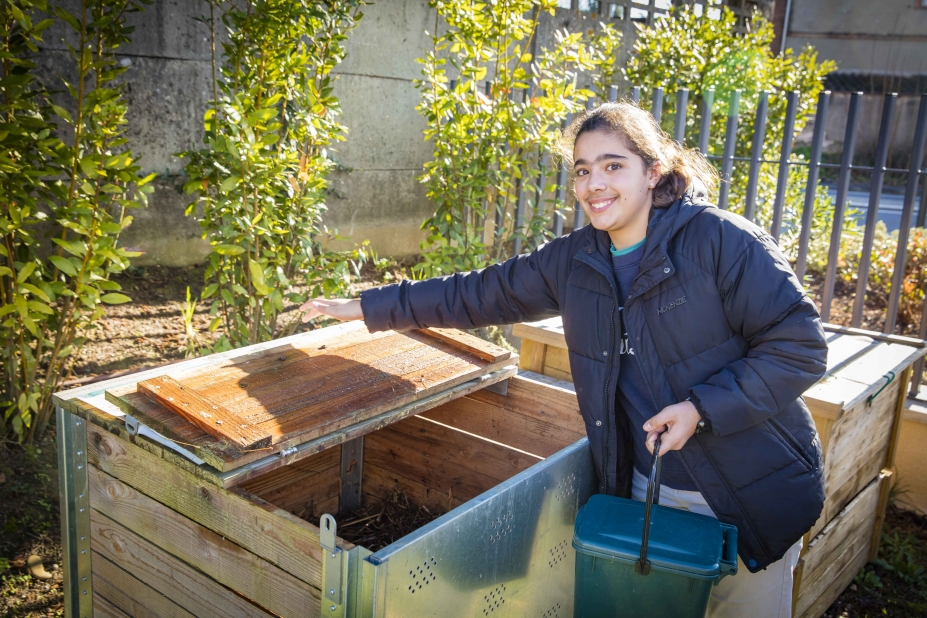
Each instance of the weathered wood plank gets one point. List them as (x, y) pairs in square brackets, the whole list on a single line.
[(189, 367), (842, 348), (443, 458), (131, 595), (379, 484), (205, 414), (197, 593), (857, 448), (282, 539), (548, 332), (842, 541), (532, 417), (104, 609), (308, 449), (468, 343), (302, 490), (331, 393), (297, 472), (231, 565), (557, 364), (532, 356)]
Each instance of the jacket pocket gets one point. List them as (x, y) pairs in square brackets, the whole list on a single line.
[(790, 442)]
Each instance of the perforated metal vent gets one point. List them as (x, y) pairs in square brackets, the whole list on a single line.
[(494, 599), (501, 527), (557, 553), (422, 575), (553, 612), (565, 487)]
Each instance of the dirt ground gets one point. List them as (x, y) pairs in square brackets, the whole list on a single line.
[(150, 332)]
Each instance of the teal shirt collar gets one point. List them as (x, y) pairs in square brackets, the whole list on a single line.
[(617, 252)]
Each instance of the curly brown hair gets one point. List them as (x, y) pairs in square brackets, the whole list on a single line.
[(680, 168)]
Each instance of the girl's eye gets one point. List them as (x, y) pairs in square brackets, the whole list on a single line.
[(581, 172), (613, 166)]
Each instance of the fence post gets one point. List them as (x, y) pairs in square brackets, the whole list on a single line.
[(636, 94), (708, 99), (872, 214), (730, 139), (814, 166), (843, 184), (756, 153), (907, 212), (612, 94), (656, 105), (682, 101), (788, 134)]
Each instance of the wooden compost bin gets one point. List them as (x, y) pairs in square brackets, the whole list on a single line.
[(857, 408), (161, 518)]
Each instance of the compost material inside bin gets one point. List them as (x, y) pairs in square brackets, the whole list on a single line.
[(383, 522)]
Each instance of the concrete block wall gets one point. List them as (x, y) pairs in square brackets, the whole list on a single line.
[(374, 191)]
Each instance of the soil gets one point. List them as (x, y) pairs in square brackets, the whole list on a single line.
[(150, 332)]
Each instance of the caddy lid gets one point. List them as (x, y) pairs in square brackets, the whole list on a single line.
[(680, 541)]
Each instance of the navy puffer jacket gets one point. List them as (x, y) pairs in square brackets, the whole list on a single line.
[(715, 314)]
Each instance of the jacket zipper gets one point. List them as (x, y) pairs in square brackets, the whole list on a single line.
[(640, 366)]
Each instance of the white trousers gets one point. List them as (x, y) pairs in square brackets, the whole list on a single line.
[(766, 594)]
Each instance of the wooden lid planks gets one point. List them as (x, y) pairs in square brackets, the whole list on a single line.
[(208, 416), (313, 386)]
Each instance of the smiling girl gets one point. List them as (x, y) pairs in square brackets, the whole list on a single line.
[(680, 319)]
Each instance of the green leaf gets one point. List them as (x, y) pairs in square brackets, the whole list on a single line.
[(209, 290), (63, 264), (229, 183), (228, 249), (115, 299), (62, 113), (257, 278), (40, 307), (38, 292), (25, 271)]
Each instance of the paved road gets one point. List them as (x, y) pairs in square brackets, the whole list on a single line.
[(890, 207)]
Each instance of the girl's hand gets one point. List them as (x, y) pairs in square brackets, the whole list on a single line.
[(337, 308), (677, 423)]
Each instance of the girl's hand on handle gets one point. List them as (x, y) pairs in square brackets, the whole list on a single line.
[(338, 308), (677, 423)]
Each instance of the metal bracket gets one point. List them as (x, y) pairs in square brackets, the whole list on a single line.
[(352, 471), (74, 493), (131, 425), (501, 387), (332, 560)]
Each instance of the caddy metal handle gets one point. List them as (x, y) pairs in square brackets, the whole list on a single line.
[(653, 497)]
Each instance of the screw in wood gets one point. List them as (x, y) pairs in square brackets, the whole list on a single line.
[(218, 422)]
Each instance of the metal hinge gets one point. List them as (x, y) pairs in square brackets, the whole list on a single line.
[(332, 560)]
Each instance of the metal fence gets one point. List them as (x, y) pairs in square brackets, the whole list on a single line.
[(725, 163)]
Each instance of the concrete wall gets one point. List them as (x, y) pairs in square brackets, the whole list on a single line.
[(375, 196), (862, 36)]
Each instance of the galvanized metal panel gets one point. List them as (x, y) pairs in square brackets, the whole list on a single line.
[(507, 552), (75, 514)]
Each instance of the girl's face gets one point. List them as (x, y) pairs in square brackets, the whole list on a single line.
[(613, 185)]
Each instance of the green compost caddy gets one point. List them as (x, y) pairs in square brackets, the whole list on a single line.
[(641, 559)]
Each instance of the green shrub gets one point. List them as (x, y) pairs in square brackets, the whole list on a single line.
[(261, 179), (76, 192), (882, 268), (695, 52), (487, 145)]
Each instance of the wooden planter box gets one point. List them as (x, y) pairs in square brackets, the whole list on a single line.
[(161, 518), (857, 408)]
